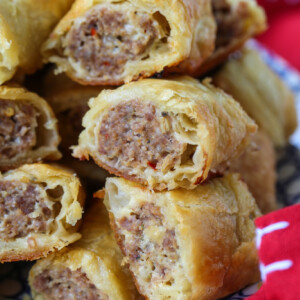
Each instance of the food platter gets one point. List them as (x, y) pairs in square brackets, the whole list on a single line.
[(13, 276)]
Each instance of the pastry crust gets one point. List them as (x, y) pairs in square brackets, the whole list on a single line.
[(63, 194), (185, 244), (257, 168), (24, 26), (173, 31), (96, 255), (261, 93), (246, 19), (43, 127), (179, 131)]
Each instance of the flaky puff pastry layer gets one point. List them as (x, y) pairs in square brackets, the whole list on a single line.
[(241, 20), (69, 101), (96, 255), (257, 168), (208, 233), (64, 190), (24, 26), (185, 31), (205, 124), (261, 93), (46, 131)]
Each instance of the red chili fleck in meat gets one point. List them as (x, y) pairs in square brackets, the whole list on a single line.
[(106, 63), (93, 31), (152, 164)]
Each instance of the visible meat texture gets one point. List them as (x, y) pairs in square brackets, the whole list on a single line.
[(137, 135), (17, 201), (230, 21), (64, 284), (18, 123), (105, 39), (158, 257)]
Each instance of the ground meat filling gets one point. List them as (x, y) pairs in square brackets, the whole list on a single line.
[(136, 135), (19, 203), (230, 22), (158, 255), (18, 123), (105, 39), (64, 284)]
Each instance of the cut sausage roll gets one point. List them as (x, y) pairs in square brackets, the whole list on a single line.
[(164, 133), (186, 244), (24, 26), (40, 206), (237, 21), (89, 269), (261, 93), (257, 168), (102, 42), (28, 128)]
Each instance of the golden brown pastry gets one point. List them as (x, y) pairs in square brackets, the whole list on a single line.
[(237, 21), (257, 168), (24, 26), (186, 244), (101, 42), (164, 133), (89, 269), (28, 128), (261, 93), (70, 102), (40, 206)]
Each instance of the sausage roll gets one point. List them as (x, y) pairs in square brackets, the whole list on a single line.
[(164, 133), (24, 26), (186, 244), (89, 269), (237, 21), (261, 93), (101, 42), (28, 128), (257, 168), (40, 206)]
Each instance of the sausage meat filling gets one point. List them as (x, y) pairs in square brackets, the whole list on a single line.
[(104, 39), (136, 135), (18, 124), (64, 284), (150, 245), (230, 21), (23, 209)]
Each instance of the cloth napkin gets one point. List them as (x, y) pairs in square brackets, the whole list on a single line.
[(283, 34), (278, 244)]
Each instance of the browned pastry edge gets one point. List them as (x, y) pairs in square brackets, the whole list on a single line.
[(25, 256), (134, 178), (140, 76), (217, 58)]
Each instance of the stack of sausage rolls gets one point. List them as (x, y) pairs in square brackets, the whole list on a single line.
[(191, 161), (41, 205)]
